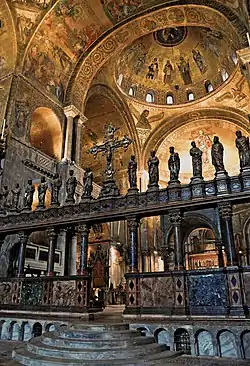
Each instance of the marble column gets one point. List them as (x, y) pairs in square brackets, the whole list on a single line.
[(23, 238), (175, 220), (84, 232), (133, 225), (144, 263), (220, 254), (73, 253), (70, 112), (225, 211), (52, 236), (80, 123), (61, 245)]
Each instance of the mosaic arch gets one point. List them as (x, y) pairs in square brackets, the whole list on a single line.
[(69, 29), (115, 42)]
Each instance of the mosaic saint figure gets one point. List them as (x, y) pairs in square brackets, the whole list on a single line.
[(153, 169), (242, 144), (217, 155), (199, 60), (132, 170), (168, 73), (173, 164), (184, 69)]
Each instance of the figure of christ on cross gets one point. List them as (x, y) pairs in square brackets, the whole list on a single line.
[(110, 144)]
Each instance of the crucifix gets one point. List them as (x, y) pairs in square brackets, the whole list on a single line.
[(110, 144)]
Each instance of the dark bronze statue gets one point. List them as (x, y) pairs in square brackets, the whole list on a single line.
[(71, 187), (242, 144), (55, 189), (174, 165), (217, 154), (42, 189), (28, 195), (153, 169), (3, 197), (132, 170), (196, 154), (15, 197), (87, 183)]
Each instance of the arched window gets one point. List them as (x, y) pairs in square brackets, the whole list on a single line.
[(150, 97), (132, 91), (37, 330), (170, 99), (190, 96), (224, 74), (208, 86), (234, 58)]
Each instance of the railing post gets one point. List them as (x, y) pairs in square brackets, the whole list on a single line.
[(133, 225), (175, 219), (84, 232)]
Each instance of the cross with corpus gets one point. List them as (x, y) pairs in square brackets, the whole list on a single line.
[(110, 144)]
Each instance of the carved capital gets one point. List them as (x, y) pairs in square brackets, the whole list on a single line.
[(23, 237), (71, 111), (51, 233), (83, 229), (225, 210), (82, 120), (175, 217), (132, 223)]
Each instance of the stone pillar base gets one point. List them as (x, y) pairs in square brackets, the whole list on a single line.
[(221, 179), (109, 189), (245, 178)]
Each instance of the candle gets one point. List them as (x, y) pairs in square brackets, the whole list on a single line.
[(248, 38), (3, 128)]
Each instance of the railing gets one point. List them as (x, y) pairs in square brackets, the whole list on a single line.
[(60, 294)]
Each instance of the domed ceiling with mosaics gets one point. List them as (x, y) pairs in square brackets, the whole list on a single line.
[(176, 62)]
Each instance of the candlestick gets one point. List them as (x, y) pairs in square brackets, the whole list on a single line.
[(3, 128), (248, 38)]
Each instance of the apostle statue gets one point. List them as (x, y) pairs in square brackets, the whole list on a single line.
[(196, 154), (132, 170), (42, 189), (242, 144), (174, 165), (153, 170), (56, 185), (87, 183), (15, 197), (28, 195), (217, 153), (3, 198), (71, 187)]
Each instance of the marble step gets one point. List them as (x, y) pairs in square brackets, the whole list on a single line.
[(53, 339), (99, 327), (36, 346), (22, 355), (71, 333)]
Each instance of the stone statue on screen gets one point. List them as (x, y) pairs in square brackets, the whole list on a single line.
[(87, 183), (132, 170), (28, 195), (3, 198), (71, 187), (55, 189), (196, 154), (15, 197), (242, 144), (217, 154), (174, 165), (153, 170), (42, 189)]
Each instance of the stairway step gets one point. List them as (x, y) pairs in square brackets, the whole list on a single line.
[(52, 339), (71, 333), (36, 346), (22, 355), (100, 326)]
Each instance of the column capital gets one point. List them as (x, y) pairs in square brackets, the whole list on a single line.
[(82, 119), (225, 210), (71, 111), (51, 232), (83, 229), (133, 222), (23, 236), (175, 217)]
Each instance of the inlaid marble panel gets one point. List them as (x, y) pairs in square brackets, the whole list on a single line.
[(205, 344), (228, 347), (157, 292), (63, 293)]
